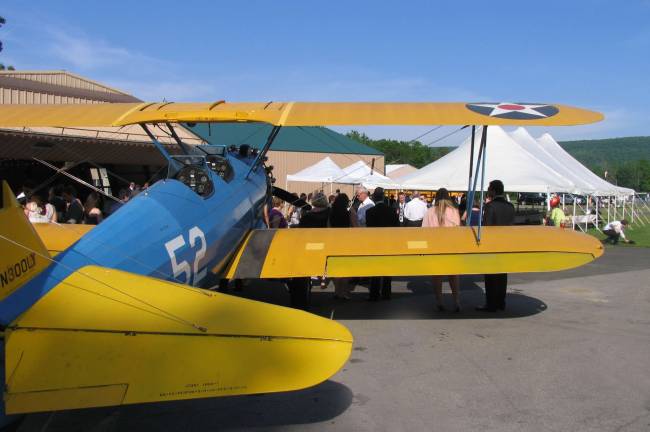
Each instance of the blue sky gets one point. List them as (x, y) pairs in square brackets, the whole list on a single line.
[(593, 54)]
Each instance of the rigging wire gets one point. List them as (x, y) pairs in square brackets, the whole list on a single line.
[(78, 180)]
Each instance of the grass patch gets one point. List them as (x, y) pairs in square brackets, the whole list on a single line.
[(637, 232)]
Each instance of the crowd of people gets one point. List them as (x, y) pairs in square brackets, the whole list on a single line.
[(317, 210), (63, 205)]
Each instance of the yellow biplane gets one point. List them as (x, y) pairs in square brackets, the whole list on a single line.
[(111, 316)]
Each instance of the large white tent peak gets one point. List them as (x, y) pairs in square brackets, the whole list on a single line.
[(525, 140), (548, 143), (505, 160)]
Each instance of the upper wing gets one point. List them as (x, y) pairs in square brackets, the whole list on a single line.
[(348, 252), (106, 337), (297, 114), (59, 237)]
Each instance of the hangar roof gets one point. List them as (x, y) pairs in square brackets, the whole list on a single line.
[(291, 138)]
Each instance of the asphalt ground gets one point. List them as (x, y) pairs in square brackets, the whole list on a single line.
[(570, 353)]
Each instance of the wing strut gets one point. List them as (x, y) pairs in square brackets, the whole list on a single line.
[(480, 168), (178, 140), (264, 150), (158, 145)]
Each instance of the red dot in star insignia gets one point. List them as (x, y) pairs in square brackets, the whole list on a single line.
[(512, 107)]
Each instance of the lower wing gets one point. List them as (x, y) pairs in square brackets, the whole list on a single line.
[(59, 237), (106, 337), (344, 252)]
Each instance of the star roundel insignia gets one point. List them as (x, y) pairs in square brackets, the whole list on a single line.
[(514, 111)]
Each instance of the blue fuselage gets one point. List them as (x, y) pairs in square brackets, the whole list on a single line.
[(167, 231)]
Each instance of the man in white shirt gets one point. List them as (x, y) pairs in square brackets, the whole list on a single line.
[(615, 230), (366, 203), (414, 211)]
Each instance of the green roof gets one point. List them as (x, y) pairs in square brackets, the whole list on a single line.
[(311, 139)]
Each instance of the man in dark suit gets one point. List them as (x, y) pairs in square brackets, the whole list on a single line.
[(381, 215), (497, 212)]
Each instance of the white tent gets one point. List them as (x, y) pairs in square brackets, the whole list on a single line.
[(360, 173), (602, 187), (398, 170), (323, 171), (506, 161), (525, 140)]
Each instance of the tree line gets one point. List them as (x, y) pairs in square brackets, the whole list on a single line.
[(402, 152), (2, 66)]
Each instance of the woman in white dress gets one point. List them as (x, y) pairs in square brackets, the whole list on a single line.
[(38, 211)]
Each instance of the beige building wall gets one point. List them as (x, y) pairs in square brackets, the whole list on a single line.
[(285, 163), (54, 79)]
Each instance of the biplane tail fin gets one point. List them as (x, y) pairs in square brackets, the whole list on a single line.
[(22, 253)]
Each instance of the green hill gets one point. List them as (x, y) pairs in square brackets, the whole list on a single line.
[(608, 152), (626, 160)]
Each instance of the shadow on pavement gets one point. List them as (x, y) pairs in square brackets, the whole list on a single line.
[(316, 404), (412, 298)]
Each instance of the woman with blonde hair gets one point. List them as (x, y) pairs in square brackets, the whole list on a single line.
[(444, 214)]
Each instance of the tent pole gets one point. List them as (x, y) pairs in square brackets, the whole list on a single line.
[(573, 220), (484, 148), (563, 205), (632, 218), (609, 205), (623, 200), (597, 211), (587, 213)]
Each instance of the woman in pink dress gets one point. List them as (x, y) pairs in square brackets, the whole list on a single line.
[(444, 214)]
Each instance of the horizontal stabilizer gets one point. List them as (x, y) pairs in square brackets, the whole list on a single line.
[(348, 252), (106, 337), (59, 237)]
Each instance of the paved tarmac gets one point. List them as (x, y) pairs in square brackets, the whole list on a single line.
[(570, 353)]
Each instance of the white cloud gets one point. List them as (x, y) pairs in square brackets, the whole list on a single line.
[(83, 52), (169, 90)]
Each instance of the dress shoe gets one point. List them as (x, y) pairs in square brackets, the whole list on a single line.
[(486, 309)]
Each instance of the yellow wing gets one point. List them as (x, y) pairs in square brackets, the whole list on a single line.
[(289, 114), (59, 237), (346, 252), (106, 337)]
